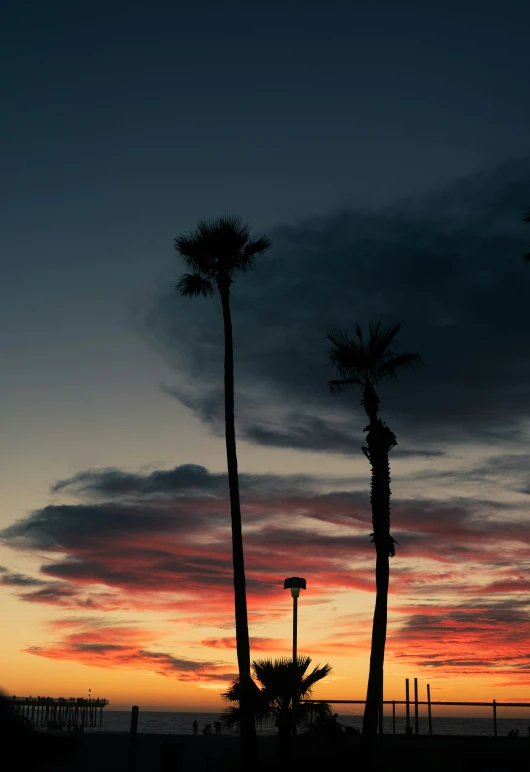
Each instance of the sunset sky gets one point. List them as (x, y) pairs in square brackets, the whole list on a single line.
[(384, 150)]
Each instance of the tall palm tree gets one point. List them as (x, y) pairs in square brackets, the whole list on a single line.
[(526, 218), (277, 691), (364, 363), (214, 252)]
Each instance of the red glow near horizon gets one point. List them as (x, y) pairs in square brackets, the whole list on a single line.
[(452, 582)]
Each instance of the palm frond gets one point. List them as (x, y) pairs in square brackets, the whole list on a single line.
[(225, 237), (259, 704), (253, 248), (317, 674), (230, 225), (338, 340), (322, 709), (220, 245), (343, 352), (391, 367), (193, 285), (233, 693), (231, 716), (212, 242), (280, 679), (271, 674), (366, 361), (279, 686), (336, 387), (193, 251), (381, 339)]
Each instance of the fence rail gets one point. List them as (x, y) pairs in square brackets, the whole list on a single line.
[(430, 704)]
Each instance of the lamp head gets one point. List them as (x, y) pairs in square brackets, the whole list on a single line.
[(295, 584)]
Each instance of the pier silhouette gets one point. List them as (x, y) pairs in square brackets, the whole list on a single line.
[(58, 712)]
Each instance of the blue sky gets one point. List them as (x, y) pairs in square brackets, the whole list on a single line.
[(125, 122)]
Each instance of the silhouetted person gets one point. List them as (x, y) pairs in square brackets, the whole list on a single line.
[(195, 727), (207, 729), (217, 727)]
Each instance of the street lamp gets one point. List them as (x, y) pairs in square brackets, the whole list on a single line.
[(295, 584)]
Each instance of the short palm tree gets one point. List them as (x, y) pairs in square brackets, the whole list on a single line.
[(214, 252), (277, 691), (363, 363), (526, 218)]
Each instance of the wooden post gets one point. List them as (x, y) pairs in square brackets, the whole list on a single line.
[(407, 703), (429, 707), (494, 718), (393, 717), (132, 739), (416, 717)]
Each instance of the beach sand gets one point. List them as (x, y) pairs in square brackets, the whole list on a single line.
[(106, 752)]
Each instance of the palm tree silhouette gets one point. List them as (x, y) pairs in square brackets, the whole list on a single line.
[(526, 218), (277, 691), (364, 363), (214, 251)]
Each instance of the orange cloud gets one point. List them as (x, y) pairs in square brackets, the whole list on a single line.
[(125, 648)]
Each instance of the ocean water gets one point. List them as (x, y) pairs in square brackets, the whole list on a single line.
[(181, 723)]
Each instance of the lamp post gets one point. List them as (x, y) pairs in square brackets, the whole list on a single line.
[(295, 584)]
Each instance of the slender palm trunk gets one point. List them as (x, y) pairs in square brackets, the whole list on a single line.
[(379, 440), (377, 655), (249, 746)]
